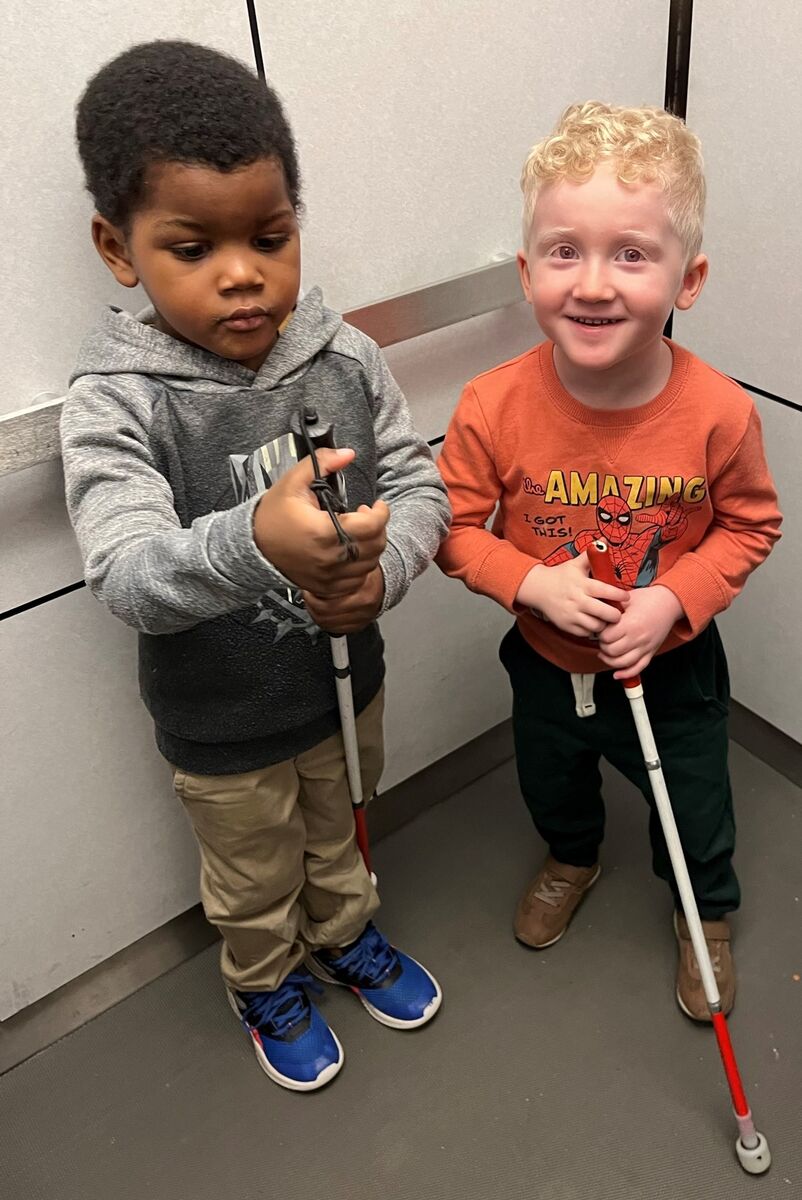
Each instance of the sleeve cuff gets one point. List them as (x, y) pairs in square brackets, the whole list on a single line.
[(395, 579), (233, 552), (501, 574), (697, 590)]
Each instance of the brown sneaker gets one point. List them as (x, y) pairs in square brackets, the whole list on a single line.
[(690, 993), (546, 907)]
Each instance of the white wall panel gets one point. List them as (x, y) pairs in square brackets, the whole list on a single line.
[(415, 70), (413, 120), (53, 294), (432, 369), (762, 628), (95, 851), (445, 684), (745, 102), (38, 553)]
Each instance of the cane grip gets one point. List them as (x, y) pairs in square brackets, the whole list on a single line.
[(600, 561)]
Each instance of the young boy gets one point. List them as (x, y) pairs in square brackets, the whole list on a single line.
[(608, 430), (176, 440)]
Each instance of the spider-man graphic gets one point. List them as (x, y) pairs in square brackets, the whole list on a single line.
[(634, 550)]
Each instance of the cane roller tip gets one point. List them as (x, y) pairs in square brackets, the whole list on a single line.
[(757, 1160)]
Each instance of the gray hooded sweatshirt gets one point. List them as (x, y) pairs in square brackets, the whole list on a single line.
[(167, 449)]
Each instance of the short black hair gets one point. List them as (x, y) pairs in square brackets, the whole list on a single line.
[(172, 101)]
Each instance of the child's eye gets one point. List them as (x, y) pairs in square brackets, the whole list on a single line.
[(190, 252), (272, 242), (566, 253), (630, 255)]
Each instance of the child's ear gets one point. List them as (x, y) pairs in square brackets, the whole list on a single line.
[(112, 247), (692, 282), (523, 271)]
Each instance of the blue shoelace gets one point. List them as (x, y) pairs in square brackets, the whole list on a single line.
[(368, 962), (276, 1013)]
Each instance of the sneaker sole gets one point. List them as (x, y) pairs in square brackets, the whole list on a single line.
[(706, 1019), (564, 930), (391, 1022), (292, 1085)]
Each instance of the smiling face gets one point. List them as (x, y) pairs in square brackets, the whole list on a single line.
[(218, 253), (603, 270)]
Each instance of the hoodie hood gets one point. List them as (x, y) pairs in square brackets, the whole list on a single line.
[(123, 344)]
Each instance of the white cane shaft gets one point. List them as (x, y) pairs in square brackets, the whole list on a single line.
[(669, 824), (345, 701)]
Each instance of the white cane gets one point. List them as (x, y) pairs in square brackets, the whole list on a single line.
[(750, 1145)]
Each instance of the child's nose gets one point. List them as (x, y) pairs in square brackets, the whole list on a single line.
[(593, 282), (240, 271)]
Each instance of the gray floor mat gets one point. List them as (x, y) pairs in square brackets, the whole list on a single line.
[(562, 1075)]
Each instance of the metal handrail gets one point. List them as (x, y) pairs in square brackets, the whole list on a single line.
[(30, 436)]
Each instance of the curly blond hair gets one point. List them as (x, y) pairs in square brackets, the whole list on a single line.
[(645, 145)]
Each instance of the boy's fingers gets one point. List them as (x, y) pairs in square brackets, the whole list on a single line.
[(348, 613), (628, 662), (377, 506), (296, 482), (337, 572), (593, 628), (368, 525), (635, 669), (611, 663), (331, 461), (342, 584), (633, 666), (602, 591), (605, 612), (376, 515), (608, 593), (613, 634)]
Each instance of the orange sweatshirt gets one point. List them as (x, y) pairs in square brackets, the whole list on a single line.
[(679, 488)]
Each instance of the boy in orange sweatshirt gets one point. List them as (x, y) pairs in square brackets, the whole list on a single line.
[(608, 429)]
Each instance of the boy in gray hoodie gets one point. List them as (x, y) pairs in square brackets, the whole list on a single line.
[(198, 527)]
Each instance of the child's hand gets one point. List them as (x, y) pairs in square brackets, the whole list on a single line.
[(629, 646), (293, 532), (348, 614), (568, 597)]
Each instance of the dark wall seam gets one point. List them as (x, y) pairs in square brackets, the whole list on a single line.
[(255, 39), (678, 62)]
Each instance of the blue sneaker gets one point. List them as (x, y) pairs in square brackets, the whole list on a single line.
[(292, 1042), (395, 989)]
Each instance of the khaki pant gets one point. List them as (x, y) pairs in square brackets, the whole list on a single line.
[(280, 868)]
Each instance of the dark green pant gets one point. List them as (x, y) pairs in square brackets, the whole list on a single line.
[(687, 697)]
